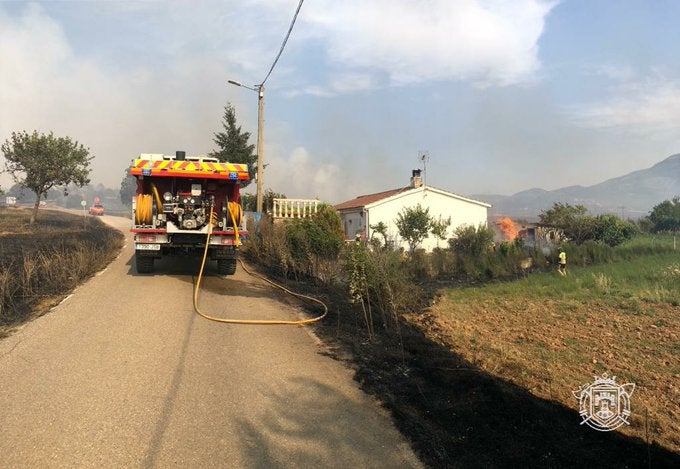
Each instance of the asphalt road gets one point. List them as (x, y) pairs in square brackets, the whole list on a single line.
[(123, 373)]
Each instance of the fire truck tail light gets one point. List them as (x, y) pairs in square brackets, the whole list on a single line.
[(223, 240), (146, 238)]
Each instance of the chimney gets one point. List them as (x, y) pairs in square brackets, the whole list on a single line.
[(416, 180)]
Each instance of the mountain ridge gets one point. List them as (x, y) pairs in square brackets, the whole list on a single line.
[(633, 194)]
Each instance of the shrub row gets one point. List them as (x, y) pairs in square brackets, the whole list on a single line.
[(385, 283)]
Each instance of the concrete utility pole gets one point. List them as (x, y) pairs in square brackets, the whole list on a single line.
[(260, 137), (260, 145)]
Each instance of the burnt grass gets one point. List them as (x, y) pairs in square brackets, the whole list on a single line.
[(42, 263), (456, 415)]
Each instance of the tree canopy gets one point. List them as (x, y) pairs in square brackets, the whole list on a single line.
[(579, 226), (439, 228), (666, 215), (572, 220), (232, 144), (413, 225), (40, 162)]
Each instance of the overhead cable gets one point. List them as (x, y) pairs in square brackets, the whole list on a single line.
[(290, 29)]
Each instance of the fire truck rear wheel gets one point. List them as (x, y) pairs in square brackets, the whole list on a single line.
[(226, 266), (144, 264)]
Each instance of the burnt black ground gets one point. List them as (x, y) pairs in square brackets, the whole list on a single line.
[(457, 415)]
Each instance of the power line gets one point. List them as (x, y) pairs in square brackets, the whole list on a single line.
[(290, 29)]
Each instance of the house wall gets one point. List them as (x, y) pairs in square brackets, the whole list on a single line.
[(440, 204)]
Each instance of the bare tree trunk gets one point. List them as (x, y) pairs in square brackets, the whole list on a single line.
[(35, 210)]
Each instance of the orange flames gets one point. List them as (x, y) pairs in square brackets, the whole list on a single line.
[(508, 227)]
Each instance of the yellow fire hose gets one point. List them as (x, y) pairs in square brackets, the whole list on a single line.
[(250, 321), (144, 210)]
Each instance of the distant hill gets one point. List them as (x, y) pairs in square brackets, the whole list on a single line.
[(636, 192)]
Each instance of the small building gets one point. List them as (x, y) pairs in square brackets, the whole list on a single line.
[(359, 214), (540, 236)]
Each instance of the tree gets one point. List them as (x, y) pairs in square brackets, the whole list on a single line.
[(611, 230), (39, 162), (249, 202), (128, 188), (413, 225), (381, 229), (268, 200), (440, 227), (666, 215), (574, 221), (578, 226), (233, 144)]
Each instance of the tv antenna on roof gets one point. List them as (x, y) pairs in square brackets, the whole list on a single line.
[(424, 157)]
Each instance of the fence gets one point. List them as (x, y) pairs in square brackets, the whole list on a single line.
[(294, 208)]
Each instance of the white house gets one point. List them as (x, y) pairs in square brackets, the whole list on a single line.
[(358, 215)]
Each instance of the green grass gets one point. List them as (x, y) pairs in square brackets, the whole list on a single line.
[(645, 269)]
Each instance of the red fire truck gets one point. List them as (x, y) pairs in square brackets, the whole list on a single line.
[(182, 202)]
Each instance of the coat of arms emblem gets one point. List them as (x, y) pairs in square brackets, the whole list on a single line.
[(605, 405)]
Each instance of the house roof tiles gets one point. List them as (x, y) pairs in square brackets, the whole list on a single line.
[(364, 200)]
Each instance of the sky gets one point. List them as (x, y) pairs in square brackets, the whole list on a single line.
[(501, 95)]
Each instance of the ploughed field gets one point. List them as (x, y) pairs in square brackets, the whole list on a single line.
[(551, 334)]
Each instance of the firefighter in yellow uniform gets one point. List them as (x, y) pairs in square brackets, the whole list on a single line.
[(563, 262)]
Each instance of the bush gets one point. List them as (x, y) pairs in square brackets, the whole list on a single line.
[(588, 253), (379, 281), (307, 247), (468, 240), (475, 260), (611, 230)]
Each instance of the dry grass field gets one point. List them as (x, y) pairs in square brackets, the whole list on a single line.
[(42, 263)]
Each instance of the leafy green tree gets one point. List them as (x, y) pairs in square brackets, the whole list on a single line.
[(233, 144), (39, 162), (128, 188), (413, 225), (439, 228), (611, 230), (574, 221), (666, 215)]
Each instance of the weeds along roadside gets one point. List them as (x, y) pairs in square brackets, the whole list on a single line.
[(42, 263)]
